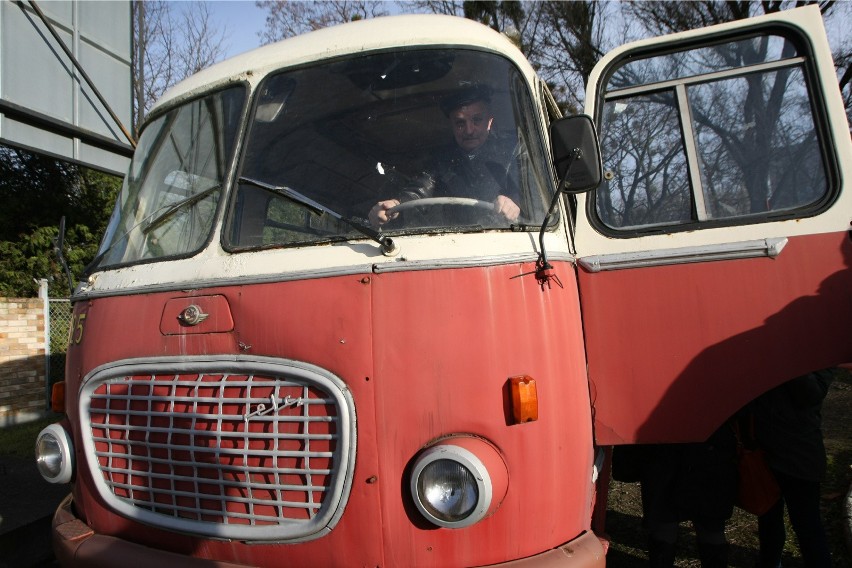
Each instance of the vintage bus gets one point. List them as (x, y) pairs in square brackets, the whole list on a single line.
[(262, 373)]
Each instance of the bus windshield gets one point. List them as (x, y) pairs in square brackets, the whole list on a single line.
[(167, 205), (429, 140)]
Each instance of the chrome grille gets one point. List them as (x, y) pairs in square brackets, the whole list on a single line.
[(254, 451)]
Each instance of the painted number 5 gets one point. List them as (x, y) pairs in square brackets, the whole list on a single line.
[(77, 328)]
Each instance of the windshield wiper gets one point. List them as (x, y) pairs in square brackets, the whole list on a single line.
[(388, 247), (177, 206)]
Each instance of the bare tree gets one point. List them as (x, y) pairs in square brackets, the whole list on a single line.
[(562, 40), (515, 20), (504, 17), (170, 47), (287, 19), (573, 37), (843, 64), (838, 23), (754, 133), (668, 17), (446, 7), (152, 67), (203, 41)]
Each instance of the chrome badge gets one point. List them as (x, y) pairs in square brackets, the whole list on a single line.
[(277, 404), (192, 315)]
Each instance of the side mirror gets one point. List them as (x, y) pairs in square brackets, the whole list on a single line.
[(576, 153)]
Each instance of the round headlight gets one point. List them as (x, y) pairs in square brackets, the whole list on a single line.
[(447, 490), (54, 454), (453, 487)]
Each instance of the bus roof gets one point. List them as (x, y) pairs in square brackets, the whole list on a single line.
[(361, 36)]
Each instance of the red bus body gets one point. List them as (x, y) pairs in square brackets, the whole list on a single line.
[(245, 402)]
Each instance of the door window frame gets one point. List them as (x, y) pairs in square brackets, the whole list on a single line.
[(804, 59)]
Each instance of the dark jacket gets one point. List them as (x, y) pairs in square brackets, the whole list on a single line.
[(683, 481), (484, 174), (788, 426)]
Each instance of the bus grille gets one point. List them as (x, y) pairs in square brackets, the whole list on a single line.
[(254, 452)]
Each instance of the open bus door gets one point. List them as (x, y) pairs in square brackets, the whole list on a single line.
[(715, 259)]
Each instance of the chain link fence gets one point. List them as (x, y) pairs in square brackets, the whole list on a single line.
[(60, 324)]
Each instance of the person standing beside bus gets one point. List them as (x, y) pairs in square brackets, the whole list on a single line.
[(788, 426), (688, 482)]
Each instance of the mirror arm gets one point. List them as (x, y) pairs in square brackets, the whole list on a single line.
[(544, 270), (576, 153)]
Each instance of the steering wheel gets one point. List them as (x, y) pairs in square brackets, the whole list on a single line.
[(436, 201)]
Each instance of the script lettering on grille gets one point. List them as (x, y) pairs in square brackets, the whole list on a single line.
[(277, 404)]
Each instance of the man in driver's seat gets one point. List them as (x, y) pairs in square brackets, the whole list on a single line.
[(477, 166)]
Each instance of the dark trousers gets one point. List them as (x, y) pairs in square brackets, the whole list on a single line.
[(802, 499)]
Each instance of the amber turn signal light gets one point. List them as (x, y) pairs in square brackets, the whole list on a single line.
[(57, 397), (524, 397)]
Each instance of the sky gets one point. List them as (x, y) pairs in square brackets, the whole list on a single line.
[(241, 20)]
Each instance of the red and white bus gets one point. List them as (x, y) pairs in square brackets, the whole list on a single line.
[(260, 375)]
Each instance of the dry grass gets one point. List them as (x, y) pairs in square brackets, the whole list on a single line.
[(625, 510), (19, 440)]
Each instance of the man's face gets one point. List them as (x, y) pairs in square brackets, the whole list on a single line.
[(471, 125)]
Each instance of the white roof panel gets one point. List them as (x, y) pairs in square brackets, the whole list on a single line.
[(363, 35)]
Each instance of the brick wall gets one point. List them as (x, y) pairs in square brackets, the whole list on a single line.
[(22, 360)]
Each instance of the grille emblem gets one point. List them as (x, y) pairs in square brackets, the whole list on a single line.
[(192, 315), (277, 404)]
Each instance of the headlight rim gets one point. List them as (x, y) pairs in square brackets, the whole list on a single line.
[(487, 469), (66, 453)]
